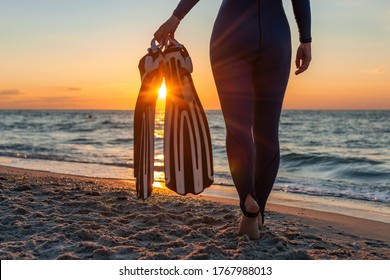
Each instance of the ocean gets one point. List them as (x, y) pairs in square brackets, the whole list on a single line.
[(327, 155)]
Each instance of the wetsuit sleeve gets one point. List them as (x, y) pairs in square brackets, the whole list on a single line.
[(303, 17), (184, 7)]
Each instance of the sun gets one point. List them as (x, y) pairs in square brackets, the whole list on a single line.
[(162, 92)]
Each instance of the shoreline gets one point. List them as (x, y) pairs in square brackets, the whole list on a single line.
[(56, 216), (376, 211)]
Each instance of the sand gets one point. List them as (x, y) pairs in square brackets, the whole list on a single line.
[(53, 216)]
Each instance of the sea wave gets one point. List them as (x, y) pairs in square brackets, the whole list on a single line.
[(365, 192), (297, 159), (58, 158)]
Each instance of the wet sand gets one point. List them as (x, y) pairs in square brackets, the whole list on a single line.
[(53, 216)]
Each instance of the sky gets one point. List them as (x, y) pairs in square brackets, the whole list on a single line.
[(84, 54)]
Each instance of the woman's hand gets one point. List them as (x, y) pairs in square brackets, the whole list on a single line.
[(167, 29), (303, 58)]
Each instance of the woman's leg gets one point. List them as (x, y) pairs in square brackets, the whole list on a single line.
[(234, 45), (251, 56), (270, 78), (234, 83), (269, 88)]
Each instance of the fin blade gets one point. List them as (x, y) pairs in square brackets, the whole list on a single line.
[(186, 136)]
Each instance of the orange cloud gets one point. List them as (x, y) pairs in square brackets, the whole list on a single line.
[(7, 92), (378, 70), (73, 89)]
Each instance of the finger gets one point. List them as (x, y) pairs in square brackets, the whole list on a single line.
[(158, 36), (300, 71), (297, 63), (165, 40), (297, 59), (300, 62), (303, 67), (306, 63), (155, 36)]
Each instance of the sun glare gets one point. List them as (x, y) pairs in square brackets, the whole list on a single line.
[(162, 92), (159, 185)]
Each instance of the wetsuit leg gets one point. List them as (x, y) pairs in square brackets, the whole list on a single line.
[(233, 69), (271, 74), (235, 89), (251, 57)]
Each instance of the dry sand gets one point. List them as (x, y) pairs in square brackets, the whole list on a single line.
[(52, 216)]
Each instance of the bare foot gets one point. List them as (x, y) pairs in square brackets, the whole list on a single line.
[(250, 226)]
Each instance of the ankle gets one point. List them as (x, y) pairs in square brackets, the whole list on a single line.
[(251, 204)]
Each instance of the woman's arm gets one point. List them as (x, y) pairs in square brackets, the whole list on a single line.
[(303, 17), (184, 7), (169, 27)]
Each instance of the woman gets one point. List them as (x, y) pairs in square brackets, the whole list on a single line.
[(250, 55)]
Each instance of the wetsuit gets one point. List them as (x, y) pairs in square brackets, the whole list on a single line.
[(250, 55)]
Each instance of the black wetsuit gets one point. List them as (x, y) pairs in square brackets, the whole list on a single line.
[(250, 55)]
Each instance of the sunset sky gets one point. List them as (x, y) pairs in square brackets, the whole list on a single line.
[(63, 54)]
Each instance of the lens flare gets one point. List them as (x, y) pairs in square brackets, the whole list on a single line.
[(159, 185), (162, 92)]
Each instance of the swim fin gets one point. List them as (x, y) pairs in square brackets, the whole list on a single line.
[(151, 70), (188, 158)]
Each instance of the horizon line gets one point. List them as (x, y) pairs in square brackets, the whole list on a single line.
[(2, 109)]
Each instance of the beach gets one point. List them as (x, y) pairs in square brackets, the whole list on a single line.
[(55, 216)]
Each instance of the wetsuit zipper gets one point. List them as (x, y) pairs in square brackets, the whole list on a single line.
[(259, 21)]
